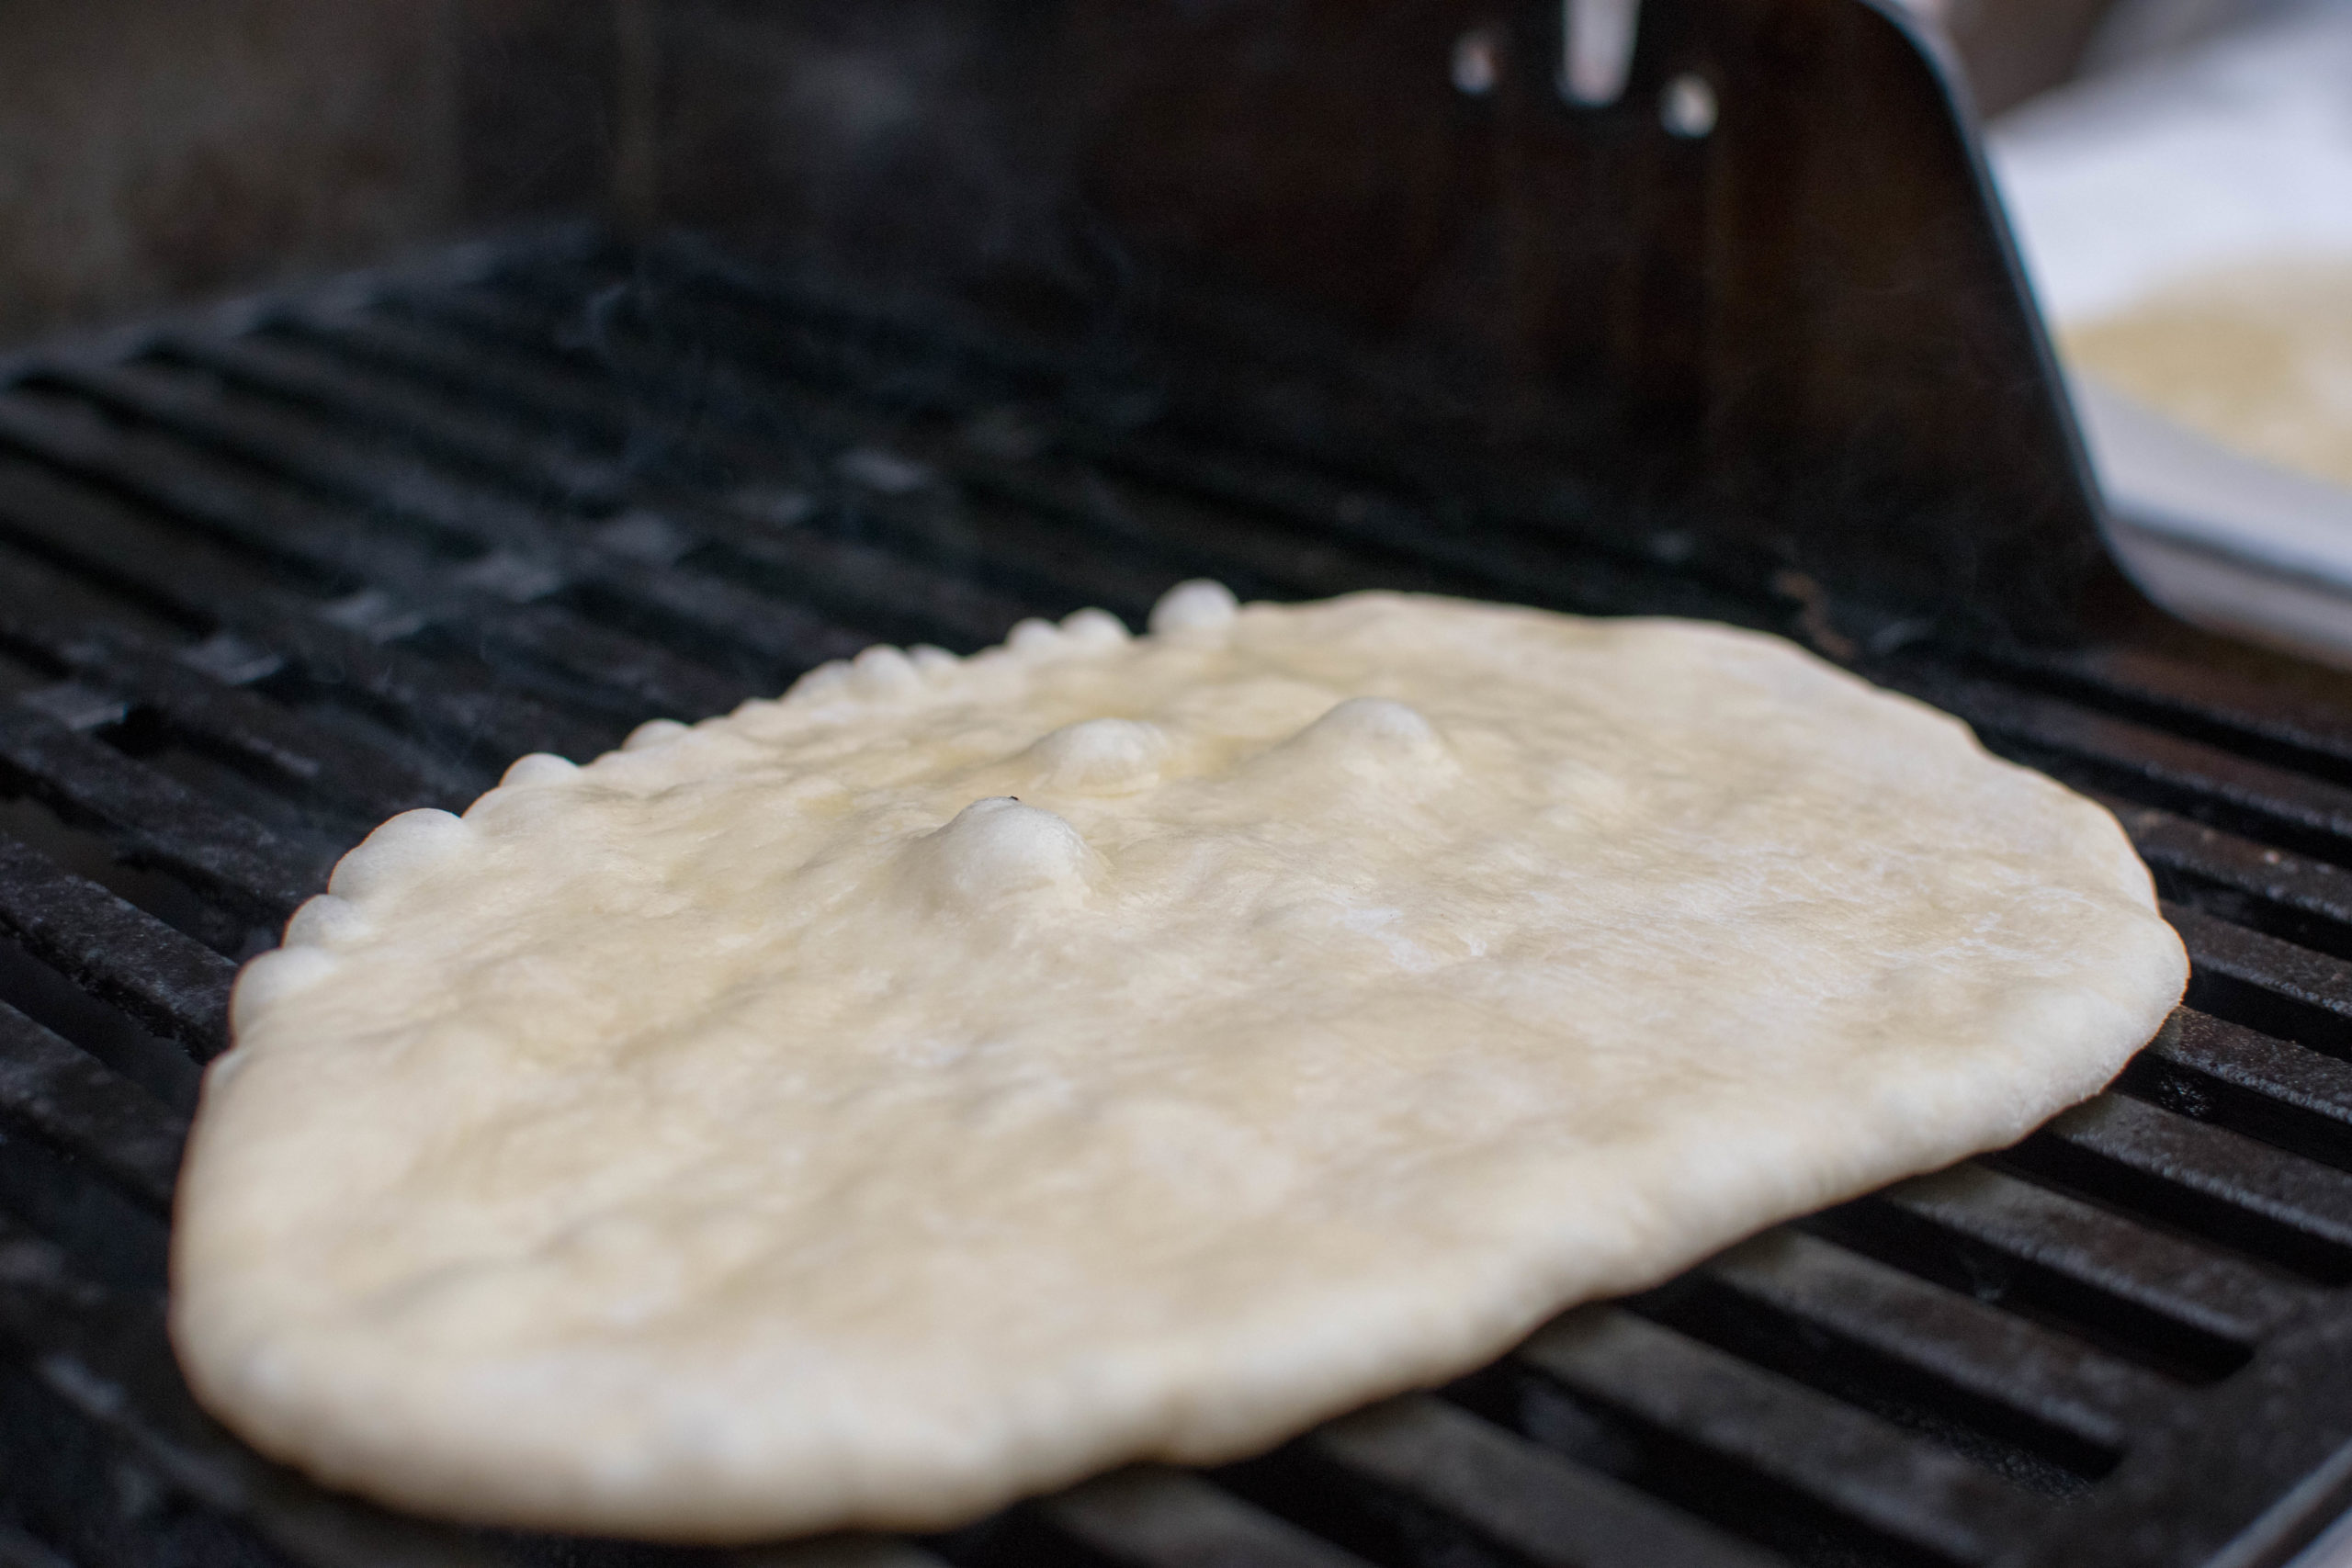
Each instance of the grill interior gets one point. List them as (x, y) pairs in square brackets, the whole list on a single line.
[(270, 575)]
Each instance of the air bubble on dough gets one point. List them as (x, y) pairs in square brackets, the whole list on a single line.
[(1094, 628), (998, 848), (326, 921), (829, 679), (1034, 636), (1375, 724), (653, 732), (932, 664), (271, 977), (1371, 737), (883, 672), (539, 767), (1199, 605), (405, 845), (1101, 755)]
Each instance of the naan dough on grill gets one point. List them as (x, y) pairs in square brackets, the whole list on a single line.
[(964, 1075)]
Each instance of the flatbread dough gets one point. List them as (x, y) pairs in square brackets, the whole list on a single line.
[(961, 1075), (2257, 357)]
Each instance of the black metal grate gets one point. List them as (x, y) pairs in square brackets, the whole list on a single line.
[(268, 577)]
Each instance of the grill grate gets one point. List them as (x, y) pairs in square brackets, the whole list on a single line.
[(269, 576)]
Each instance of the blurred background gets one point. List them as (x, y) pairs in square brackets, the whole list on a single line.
[(153, 153), (2180, 173), (2180, 176)]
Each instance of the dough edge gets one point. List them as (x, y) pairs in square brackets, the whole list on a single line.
[(1415, 1341)]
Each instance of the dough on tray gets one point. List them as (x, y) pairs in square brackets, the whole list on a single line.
[(2257, 359), (961, 1075)]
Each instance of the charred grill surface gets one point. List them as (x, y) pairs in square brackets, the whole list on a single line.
[(268, 578)]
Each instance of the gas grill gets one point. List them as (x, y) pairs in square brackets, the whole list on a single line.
[(272, 572)]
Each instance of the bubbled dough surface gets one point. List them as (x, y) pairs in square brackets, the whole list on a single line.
[(772, 1126)]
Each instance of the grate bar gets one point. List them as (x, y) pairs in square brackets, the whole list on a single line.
[(2277, 1070), (2305, 901), (2245, 712), (422, 348), (155, 819), (2260, 1183), (311, 450), (2164, 1274), (910, 375), (336, 547), (2214, 1071), (1985, 1352), (1866, 1468), (2286, 808), (1454, 554), (881, 590), (87, 1110), (1078, 506), (200, 582), (921, 332), (1031, 539), (657, 681), (18, 1550), (878, 588), (491, 307), (1152, 1518), (1255, 561), (223, 500), (700, 604), (372, 781), (1410, 539), (1535, 1503), (108, 1357), (1229, 439), (1044, 517), (500, 453), (785, 637), (1291, 491), (173, 984), (2300, 994)]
